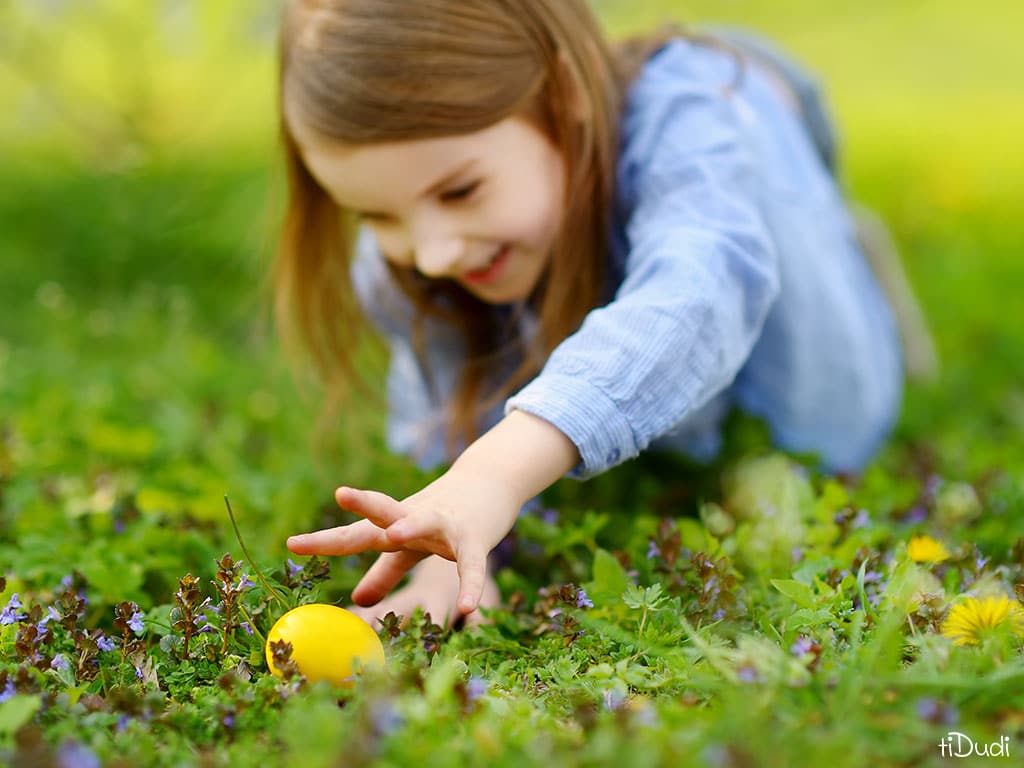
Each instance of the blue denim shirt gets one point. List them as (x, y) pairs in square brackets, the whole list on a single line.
[(740, 279)]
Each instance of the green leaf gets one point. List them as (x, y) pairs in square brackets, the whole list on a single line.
[(111, 573), (74, 693), (643, 597), (122, 442), (610, 578), (17, 711), (801, 594), (806, 617)]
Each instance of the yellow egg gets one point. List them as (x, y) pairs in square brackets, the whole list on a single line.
[(328, 643)]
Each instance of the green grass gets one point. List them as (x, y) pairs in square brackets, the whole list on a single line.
[(140, 382)]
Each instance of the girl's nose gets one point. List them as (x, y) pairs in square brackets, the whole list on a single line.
[(439, 255)]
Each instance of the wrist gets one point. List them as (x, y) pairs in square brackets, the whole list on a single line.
[(523, 454)]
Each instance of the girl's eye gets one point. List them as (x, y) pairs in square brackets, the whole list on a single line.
[(461, 193)]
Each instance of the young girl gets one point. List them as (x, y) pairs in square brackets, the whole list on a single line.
[(575, 255)]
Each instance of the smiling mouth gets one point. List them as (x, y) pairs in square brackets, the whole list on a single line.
[(489, 272)]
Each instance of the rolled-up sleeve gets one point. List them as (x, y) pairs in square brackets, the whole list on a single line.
[(701, 274)]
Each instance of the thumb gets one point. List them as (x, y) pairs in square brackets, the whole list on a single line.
[(472, 567)]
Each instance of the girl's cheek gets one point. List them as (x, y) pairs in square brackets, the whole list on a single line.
[(518, 221)]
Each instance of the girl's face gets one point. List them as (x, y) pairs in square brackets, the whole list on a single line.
[(482, 208)]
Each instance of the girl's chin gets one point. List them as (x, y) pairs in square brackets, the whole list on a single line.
[(496, 295)]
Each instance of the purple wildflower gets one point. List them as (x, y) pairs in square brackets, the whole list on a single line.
[(247, 627), (916, 514), (802, 646), (52, 614), (228, 720), (747, 674), (386, 719), (10, 615), (8, 691), (476, 687), (59, 662), (717, 756), (294, 569), (73, 755), (550, 516), (937, 712), (41, 628), (135, 622), (861, 520), (653, 550), (582, 601), (796, 554), (104, 643), (138, 673), (244, 582), (613, 699)]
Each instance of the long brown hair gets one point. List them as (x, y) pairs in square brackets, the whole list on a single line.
[(367, 71)]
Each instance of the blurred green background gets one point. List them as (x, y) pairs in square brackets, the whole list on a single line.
[(140, 192)]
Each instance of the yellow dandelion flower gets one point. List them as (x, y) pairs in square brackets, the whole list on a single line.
[(925, 549), (970, 619)]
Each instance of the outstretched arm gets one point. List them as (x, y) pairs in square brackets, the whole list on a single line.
[(460, 516)]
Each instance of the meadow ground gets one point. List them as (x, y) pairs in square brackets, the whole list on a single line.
[(747, 613)]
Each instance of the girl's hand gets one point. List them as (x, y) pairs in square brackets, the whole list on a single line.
[(461, 516), (457, 517)]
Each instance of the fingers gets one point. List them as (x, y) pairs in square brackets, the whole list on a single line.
[(379, 508), (472, 576), (434, 588), (379, 511), (423, 524), (343, 540), (369, 615), (384, 575), (491, 598)]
